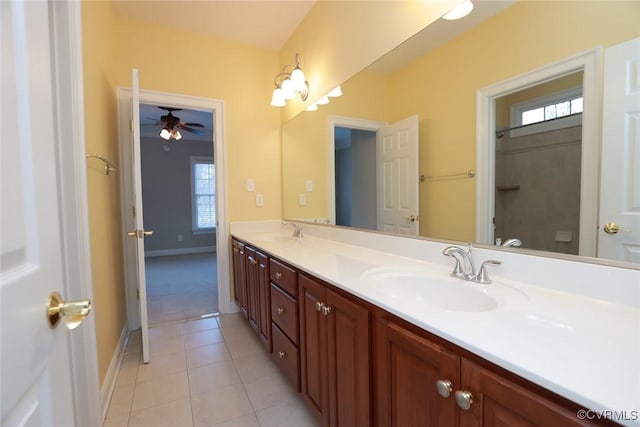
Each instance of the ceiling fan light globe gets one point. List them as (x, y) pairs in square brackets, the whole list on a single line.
[(165, 134), (177, 135)]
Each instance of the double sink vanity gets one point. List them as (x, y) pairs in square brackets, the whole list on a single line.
[(375, 329)]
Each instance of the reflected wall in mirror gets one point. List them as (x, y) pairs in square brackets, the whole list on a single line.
[(440, 86)]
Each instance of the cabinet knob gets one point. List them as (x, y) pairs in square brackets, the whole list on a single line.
[(280, 310), (278, 275), (254, 261), (464, 399), (319, 306), (281, 354), (326, 309), (444, 388)]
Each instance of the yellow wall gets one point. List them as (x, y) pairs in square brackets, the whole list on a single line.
[(103, 191), (337, 39), (178, 62), (441, 88)]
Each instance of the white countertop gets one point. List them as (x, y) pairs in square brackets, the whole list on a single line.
[(580, 347)]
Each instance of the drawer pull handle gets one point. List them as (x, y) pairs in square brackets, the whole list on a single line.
[(280, 310), (326, 310), (319, 306), (281, 354), (464, 399), (278, 275), (444, 388)]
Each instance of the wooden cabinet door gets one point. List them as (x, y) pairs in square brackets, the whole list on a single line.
[(407, 368), (253, 308), (264, 300), (498, 401), (240, 276), (313, 347), (349, 362)]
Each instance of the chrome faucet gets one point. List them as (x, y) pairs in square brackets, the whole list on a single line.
[(297, 229), (512, 242), (464, 268)]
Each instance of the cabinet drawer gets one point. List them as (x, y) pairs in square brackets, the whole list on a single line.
[(284, 277), (284, 312), (285, 354)]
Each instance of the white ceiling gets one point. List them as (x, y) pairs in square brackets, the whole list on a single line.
[(265, 24)]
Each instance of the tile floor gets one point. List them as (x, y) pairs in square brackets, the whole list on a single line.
[(203, 373)]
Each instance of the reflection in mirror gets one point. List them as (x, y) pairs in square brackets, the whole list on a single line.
[(440, 87)]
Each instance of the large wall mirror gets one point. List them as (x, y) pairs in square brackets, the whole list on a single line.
[(540, 177)]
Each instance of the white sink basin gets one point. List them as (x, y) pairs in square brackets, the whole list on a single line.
[(423, 288)]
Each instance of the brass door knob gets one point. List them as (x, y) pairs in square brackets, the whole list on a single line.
[(73, 312), (140, 233), (412, 218), (611, 228)]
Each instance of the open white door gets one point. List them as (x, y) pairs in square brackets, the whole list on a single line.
[(619, 233), (35, 370), (139, 232), (397, 175)]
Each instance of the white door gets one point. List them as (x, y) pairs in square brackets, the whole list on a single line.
[(397, 175), (619, 231), (139, 232), (35, 370)]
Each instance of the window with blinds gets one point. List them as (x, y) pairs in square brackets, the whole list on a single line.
[(203, 193)]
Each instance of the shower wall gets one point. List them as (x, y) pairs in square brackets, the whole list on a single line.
[(537, 198)]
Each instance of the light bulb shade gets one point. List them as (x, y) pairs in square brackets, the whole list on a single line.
[(176, 135), (297, 78), (335, 92), (322, 101), (277, 98), (165, 134), (312, 107), (287, 89), (460, 11)]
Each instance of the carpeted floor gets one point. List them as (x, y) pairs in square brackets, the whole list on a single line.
[(181, 287)]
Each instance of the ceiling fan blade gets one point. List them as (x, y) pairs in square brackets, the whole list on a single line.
[(170, 109), (194, 131), (195, 125)]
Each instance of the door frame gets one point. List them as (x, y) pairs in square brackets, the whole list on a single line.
[(351, 123), (66, 39), (590, 62), (216, 107)]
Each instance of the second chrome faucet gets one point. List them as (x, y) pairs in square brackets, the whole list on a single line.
[(465, 268)]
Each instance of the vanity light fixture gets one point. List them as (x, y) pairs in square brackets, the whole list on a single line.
[(337, 91), (322, 101), (289, 84), (460, 11), (312, 107)]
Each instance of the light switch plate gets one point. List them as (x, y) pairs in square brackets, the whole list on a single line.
[(259, 199), (251, 184), (302, 199), (309, 185)]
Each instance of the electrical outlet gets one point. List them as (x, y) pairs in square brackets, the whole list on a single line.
[(259, 199), (179, 237), (302, 199), (309, 185), (251, 184)]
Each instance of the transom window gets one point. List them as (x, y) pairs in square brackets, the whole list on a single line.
[(203, 193), (545, 112)]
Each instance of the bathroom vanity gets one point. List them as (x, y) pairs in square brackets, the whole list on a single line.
[(372, 330)]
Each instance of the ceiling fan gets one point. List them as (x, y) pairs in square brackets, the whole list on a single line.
[(171, 125)]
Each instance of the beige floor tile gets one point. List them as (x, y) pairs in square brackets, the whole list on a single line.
[(200, 325), (270, 390), (160, 390), (128, 371), (220, 374), (120, 404), (287, 415), (173, 414), (165, 331), (207, 354), (254, 366), (240, 346), (166, 345), (122, 421), (220, 404), (162, 364), (245, 421), (202, 338), (232, 320)]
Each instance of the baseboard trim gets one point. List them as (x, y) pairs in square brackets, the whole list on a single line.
[(180, 251), (109, 384)]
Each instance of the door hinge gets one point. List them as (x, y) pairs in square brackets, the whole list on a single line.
[(131, 125), (138, 293), (134, 210)]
